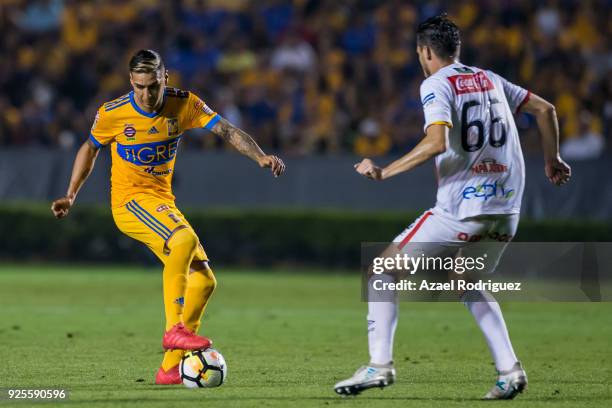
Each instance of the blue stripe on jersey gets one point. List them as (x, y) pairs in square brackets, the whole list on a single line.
[(108, 109), (151, 218), (149, 154), (156, 230), (95, 142), (428, 98), (123, 98), (212, 122)]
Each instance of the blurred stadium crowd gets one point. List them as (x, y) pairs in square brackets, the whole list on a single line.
[(302, 76)]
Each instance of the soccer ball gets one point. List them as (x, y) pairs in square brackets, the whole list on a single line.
[(203, 368)]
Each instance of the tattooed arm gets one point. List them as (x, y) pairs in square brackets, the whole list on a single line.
[(247, 146)]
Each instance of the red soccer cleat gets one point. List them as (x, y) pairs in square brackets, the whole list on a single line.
[(181, 338), (170, 377)]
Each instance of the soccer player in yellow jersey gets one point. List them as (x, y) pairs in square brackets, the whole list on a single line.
[(143, 129)]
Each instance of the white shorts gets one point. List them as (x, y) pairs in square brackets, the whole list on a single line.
[(447, 236)]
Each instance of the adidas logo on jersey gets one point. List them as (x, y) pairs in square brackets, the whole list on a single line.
[(153, 131)]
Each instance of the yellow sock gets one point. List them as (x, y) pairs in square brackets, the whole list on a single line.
[(182, 247), (172, 358), (200, 286)]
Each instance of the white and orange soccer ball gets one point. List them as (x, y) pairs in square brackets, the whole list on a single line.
[(203, 369)]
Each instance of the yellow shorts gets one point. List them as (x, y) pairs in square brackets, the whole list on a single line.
[(152, 221)]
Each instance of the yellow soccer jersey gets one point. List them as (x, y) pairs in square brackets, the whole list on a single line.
[(143, 145)]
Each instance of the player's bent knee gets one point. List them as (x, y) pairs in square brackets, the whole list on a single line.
[(183, 239), (209, 283)]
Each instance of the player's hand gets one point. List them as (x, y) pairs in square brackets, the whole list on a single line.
[(61, 206), (274, 163), (557, 171), (368, 169)]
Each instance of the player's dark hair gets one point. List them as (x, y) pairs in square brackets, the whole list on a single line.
[(441, 35), (146, 61)]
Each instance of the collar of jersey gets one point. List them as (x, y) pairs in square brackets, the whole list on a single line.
[(143, 113)]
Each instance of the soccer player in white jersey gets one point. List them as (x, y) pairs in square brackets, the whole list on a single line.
[(471, 134)]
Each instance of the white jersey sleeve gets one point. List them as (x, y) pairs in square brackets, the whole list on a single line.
[(436, 98), (515, 95)]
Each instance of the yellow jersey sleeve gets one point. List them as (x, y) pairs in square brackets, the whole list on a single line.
[(102, 131), (198, 114)]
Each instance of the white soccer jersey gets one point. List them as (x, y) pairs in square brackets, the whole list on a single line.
[(482, 170)]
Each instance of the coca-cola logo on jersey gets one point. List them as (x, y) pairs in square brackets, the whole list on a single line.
[(477, 82)]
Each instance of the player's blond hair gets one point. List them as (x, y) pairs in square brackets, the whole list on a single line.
[(146, 61)]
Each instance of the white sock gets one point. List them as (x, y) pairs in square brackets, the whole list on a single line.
[(488, 315), (382, 321)]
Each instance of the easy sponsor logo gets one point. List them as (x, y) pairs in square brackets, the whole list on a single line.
[(477, 82), (488, 166), (487, 191), (153, 131)]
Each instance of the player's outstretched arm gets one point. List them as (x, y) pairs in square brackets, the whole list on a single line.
[(247, 146), (432, 145), (557, 171), (83, 165)]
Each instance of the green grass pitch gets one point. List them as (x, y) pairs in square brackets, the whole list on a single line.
[(287, 338)]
